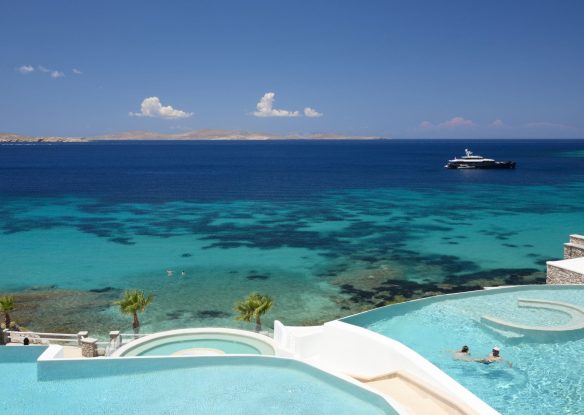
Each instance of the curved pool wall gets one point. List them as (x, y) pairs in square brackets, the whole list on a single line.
[(365, 355), (371, 316), (177, 384), (227, 341), (545, 376)]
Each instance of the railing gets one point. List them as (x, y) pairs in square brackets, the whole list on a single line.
[(43, 338), (117, 340), (105, 348), (128, 337)]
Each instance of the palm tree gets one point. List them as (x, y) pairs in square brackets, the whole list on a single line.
[(253, 307), (133, 302), (6, 306)]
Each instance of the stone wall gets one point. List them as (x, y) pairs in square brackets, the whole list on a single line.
[(572, 250), (557, 275), (577, 239), (88, 347)]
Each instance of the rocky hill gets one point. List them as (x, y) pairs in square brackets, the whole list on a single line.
[(206, 134), (17, 138)]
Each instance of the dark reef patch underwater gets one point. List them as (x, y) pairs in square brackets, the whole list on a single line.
[(326, 228)]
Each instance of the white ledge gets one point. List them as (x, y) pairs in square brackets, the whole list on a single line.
[(573, 265)]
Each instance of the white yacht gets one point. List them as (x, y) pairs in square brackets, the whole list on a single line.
[(472, 161)]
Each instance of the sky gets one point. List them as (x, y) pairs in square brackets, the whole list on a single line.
[(400, 69)]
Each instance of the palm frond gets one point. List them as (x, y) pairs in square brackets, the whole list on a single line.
[(134, 301), (6, 303), (252, 306)]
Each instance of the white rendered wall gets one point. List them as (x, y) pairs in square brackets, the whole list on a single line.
[(343, 348)]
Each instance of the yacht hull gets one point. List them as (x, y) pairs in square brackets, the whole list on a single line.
[(479, 165)]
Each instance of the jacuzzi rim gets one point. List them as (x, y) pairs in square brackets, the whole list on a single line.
[(121, 352)]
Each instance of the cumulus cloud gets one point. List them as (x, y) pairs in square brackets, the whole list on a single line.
[(53, 73), (265, 108), (456, 122), (312, 113), (25, 69), (497, 124), (151, 107)]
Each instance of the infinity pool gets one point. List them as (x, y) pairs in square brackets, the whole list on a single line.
[(546, 373), (202, 385)]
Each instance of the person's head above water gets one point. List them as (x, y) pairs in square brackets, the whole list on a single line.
[(496, 351), (464, 349)]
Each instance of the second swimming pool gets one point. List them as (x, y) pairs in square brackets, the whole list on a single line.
[(546, 373)]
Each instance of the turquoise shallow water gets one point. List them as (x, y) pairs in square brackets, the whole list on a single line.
[(546, 373), (326, 229), (312, 259)]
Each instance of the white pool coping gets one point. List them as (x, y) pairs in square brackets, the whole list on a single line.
[(179, 332)]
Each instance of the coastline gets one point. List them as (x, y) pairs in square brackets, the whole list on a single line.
[(196, 135)]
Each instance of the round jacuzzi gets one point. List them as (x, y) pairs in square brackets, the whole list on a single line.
[(199, 342)]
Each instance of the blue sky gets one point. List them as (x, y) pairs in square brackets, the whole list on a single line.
[(393, 68)]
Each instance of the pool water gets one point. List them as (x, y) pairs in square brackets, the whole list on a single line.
[(227, 346), (258, 385), (546, 372), (223, 343)]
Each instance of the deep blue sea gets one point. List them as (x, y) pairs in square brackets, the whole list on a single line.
[(327, 228)]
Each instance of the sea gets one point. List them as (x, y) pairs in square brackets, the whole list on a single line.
[(326, 228)]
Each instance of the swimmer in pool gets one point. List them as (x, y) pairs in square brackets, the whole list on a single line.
[(493, 357), (462, 353)]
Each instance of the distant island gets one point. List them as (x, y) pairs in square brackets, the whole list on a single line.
[(205, 134)]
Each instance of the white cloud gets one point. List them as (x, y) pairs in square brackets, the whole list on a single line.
[(151, 107), (25, 69), (265, 108), (312, 113), (456, 122), (497, 124), (53, 73)]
